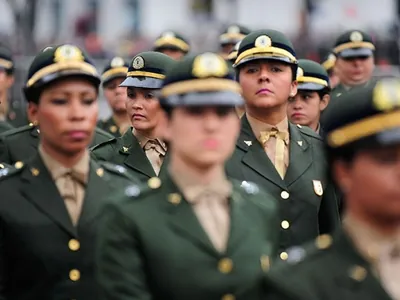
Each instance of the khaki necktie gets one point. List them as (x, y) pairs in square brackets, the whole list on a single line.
[(212, 211), (67, 185), (281, 138), (389, 271), (154, 151)]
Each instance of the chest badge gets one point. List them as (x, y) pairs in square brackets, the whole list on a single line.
[(318, 187)]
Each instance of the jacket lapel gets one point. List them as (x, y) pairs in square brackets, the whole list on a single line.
[(358, 277), (239, 227), (164, 167), (300, 155), (39, 188), (136, 158), (255, 156), (96, 191), (182, 217), (34, 140)]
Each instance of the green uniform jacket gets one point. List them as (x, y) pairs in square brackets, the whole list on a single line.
[(126, 151), (336, 95), (109, 126), (304, 212), (39, 246), (4, 126), (17, 117), (152, 246), (335, 272), (21, 143)]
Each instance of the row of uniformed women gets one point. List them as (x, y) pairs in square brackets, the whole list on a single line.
[(193, 233)]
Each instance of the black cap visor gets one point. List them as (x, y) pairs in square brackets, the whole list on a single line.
[(220, 98), (265, 56), (356, 52), (142, 82), (310, 86)]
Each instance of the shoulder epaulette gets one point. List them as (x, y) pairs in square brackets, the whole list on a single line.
[(309, 132), (17, 130), (109, 142), (297, 254), (103, 133), (9, 171)]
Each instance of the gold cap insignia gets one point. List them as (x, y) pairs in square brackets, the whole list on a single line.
[(168, 34), (208, 65), (356, 36), (233, 29), (323, 241), (125, 149), (263, 41), (318, 187), (68, 53), (154, 183), (138, 62), (386, 94), (117, 62)]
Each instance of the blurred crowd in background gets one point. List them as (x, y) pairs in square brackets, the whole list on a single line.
[(106, 28)]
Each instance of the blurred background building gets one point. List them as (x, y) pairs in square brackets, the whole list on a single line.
[(124, 27)]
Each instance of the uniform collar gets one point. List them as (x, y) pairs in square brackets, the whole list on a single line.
[(257, 126), (193, 190), (143, 140), (368, 241), (57, 170)]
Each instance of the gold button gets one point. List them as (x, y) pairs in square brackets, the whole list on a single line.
[(74, 245), (323, 241), (284, 256), (74, 275), (228, 297), (19, 164), (285, 195), (285, 224), (100, 172), (154, 183), (225, 265)]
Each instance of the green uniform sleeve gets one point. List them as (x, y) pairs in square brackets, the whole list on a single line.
[(120, 260)]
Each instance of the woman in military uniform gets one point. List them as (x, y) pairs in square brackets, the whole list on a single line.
[(195, 234), (173, 44), (362, 259), (113, 75), (286, 160), (49, 205), (140, 149), (312, 95)]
